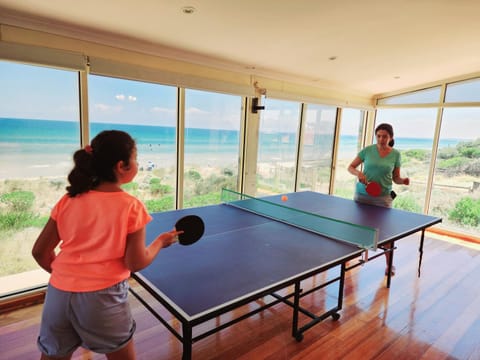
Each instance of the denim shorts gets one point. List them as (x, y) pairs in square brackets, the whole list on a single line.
[(100, 321)]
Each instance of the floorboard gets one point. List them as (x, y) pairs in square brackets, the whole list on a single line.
[(435, 316)]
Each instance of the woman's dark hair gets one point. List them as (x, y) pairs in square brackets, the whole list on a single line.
[(96, 162), (388, 128)]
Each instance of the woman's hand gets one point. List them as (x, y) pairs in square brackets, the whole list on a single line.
[(362, 178)]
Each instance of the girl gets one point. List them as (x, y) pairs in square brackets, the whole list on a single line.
[(101, 232)]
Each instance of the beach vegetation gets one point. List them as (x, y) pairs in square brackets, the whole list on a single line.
[(466, 212), (57, 184), (157, 188), (203, 199), (17, 212), (193, 174), (464, 158), (18, 220), (452, 165), (417, 154), (130, 187), (407, 203), (164, 203), (469, 149), (228, 172), (473, 168), (18, 201), (214, 183)]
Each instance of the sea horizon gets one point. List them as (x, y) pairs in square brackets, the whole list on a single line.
[(45, 147)]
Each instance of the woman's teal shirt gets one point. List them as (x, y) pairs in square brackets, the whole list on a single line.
[(378, 169)]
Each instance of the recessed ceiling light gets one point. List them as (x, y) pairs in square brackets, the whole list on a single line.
[(331, 58), (396, 77), (188, 9)]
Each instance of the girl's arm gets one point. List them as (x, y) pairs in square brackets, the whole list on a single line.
[(138, 255), (43, 250)]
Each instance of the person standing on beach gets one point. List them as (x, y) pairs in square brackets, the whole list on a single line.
[(101, 233), (381, 163)]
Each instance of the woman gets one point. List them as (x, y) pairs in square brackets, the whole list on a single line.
[(381, 163)]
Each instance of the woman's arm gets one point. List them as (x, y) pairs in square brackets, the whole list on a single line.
[(43, 250), (397, 179), (352, 169), (138, 255)]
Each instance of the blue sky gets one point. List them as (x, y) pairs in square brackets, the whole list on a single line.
[(35, 92)]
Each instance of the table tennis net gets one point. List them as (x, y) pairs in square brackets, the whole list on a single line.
[(362, 236)]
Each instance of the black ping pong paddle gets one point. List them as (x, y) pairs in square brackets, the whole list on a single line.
[(192, 227), (373, 188)]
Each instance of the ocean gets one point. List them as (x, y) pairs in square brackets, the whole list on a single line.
[(45, 147)]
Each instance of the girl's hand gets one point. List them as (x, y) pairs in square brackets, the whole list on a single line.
[(170, 237)]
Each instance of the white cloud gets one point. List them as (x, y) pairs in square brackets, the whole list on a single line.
[(196, 111), (162, 110), (122, 97), (107, 108)]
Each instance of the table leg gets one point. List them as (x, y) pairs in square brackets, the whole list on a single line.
[(187, 342), (420, 251), (296, 305), (390, 264)]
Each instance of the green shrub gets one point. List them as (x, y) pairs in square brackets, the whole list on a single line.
[(466, 212), (213, 184), (18, 201), (131, 186), (204, 199), (447, 153), (57, 184), (406, 202), (452, 163), (227, 172), (157, 205), (193, 175), (156, 188), (470, 149), (20, 219), (417, 154)]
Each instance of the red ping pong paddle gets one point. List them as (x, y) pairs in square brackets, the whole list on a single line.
[(192, 227), (373, 188)]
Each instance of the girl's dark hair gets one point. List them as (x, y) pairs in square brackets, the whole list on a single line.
[(388, 128), (96, 162)]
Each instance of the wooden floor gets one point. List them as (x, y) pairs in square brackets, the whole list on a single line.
[(436, 316)]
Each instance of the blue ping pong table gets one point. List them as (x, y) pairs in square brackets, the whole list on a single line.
[(244, 257)]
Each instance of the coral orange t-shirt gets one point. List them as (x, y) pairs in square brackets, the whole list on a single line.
[(93, 229)]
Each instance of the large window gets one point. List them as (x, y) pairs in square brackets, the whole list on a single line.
[(277, 147), (456, 186), (212, 145), (349, 144), (39, 122), (317, 148), (148, 113), (413, 135), (454, 194)]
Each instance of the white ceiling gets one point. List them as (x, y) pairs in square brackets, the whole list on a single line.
[(380, 46)]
